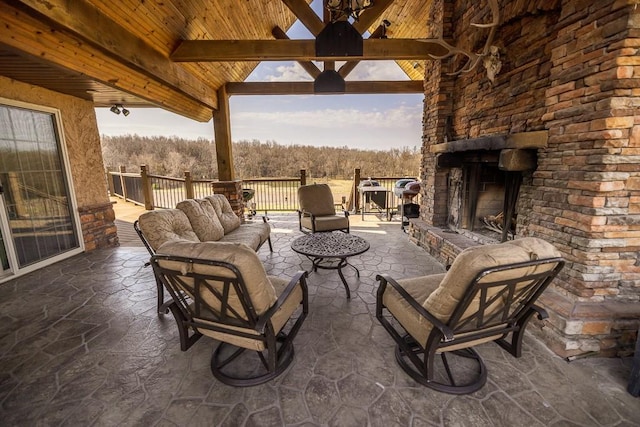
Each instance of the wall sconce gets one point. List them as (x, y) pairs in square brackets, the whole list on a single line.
[(118, 108)]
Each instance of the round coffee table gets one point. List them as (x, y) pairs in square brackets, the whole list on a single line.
[(329, 250)]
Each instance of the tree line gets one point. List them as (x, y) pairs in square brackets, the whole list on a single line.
[(172, 156)]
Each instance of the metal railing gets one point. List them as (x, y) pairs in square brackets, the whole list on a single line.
[(273, 194)]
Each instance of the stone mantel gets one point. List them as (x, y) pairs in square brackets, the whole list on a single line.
[(522, 140)]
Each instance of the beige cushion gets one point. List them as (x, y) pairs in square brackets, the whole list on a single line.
[(473, 260), (326, 223), (441, 298), (162, 225), (228, 218), (243, 235), (261, 229), (203, 219), (316, 199), (419, 288), (278, 320), (261, 292)]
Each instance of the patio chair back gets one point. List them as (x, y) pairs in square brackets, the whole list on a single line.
[(488, 294), (221, 290), (317, 210)]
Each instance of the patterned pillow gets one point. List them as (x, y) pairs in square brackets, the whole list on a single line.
[(162, 225), (203, 219), (228, 218)]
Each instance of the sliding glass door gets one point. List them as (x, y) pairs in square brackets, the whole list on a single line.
[(37, 220)]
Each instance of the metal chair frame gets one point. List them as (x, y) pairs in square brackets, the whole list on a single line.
[(163, 307), (418, 359), (193, 314)]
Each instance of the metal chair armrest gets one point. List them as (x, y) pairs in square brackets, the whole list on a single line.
[(542, 313), (447, 332), (299, 277)]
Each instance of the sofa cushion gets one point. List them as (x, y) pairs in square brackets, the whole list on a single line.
[(162, 225), (203, 218), (243, 235), (260, 290), (228, 218)]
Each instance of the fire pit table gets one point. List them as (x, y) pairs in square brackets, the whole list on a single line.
[(330, 250)]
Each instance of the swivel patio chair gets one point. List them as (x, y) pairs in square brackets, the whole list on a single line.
[(221, 290), (488, 294), (317, 210)]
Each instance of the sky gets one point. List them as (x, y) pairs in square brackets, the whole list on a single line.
[(377, 122)]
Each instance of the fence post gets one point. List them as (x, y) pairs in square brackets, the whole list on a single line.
[(303, 177), (123, 170), (188, 185), (356, 182), (147, 192), (112, 189)]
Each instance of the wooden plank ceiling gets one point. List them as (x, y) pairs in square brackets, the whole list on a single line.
[(127, 51)]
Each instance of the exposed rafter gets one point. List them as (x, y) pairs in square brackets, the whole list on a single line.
[(306, 15)]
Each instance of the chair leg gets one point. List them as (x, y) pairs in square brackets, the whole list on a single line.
[(163, 307), (186, 340)]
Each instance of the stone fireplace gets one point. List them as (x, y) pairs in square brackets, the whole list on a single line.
[(553, 143)]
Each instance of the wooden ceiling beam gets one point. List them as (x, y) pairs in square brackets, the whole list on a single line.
[(88, 23), (300, 50), (306, 88), (34, 37), (306, 15)]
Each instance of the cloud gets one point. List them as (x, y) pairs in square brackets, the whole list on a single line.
[(293, 71), (288, 73), (401, 116), (377, 70)]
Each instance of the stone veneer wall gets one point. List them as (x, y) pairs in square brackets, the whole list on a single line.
[(82, 141), (571, 67)]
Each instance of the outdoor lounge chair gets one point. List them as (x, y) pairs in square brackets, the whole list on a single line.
[(488, 294), (317, 210), (221, 290)]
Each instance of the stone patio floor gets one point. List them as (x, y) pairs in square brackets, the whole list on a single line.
[(81, 345)]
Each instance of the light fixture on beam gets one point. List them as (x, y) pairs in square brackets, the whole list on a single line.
[(118, 108), (347, 8)]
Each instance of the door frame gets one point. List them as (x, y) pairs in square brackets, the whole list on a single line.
[(14, 271)]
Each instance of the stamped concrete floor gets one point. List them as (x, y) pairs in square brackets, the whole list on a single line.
[(82, 345)]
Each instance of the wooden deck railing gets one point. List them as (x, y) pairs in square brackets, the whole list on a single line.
[(269, 194)]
